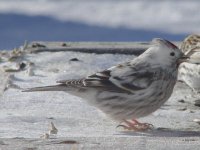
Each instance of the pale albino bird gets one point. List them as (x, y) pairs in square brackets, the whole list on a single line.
[(132, 89)]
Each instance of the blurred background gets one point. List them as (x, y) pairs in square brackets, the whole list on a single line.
[(96, 20)]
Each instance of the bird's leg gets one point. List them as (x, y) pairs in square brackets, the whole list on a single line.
[(128, 125), (135, 125), (143, 125)]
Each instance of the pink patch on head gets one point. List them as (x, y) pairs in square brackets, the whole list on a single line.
[(171, 45), (165, 42)]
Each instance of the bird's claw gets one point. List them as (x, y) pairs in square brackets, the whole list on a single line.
[(136, 126)]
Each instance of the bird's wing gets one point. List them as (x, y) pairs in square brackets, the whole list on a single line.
[(98, 81), (133, 77), (122, 78)]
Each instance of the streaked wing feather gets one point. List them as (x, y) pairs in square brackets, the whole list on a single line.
[(134, 80), (129, 82), (72, 82), (100, 81)]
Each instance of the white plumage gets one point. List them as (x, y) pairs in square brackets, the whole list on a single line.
[(130, 90)]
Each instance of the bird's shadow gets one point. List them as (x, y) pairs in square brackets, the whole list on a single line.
[(162, 132)]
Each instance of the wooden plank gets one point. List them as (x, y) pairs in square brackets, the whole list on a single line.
[(135, 48)]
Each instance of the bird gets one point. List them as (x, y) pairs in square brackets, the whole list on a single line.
[(189, 71), (130, 90)]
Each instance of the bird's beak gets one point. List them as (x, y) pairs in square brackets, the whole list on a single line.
[(184, 58)]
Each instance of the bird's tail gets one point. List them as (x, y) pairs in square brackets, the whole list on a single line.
[(59, 87)]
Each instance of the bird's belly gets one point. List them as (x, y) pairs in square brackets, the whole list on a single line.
[(121, 106), (127, 106)]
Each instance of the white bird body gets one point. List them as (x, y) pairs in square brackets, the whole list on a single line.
[(130, 90)]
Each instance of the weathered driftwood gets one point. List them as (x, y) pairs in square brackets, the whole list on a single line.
[(129, 48)]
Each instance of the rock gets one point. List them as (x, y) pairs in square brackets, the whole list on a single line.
[(197, 103), (52, 129), (182, 109), (197, 121), (191, 111), (74, 59), (2, 143), (22, 65), (181, 101), (68, 142), (64, 44), (45, 136), (38, 45)]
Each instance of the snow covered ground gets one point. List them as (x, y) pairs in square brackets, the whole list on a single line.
[(29, 114), (26, 114), (24, 117)]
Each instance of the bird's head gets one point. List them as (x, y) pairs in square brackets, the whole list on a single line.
[(165, 53)]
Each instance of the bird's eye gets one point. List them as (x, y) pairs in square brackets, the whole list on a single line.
[(172, 54)]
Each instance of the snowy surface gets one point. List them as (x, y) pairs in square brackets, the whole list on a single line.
[(28, 115)]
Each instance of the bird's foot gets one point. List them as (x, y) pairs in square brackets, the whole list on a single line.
[(136, 126)]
